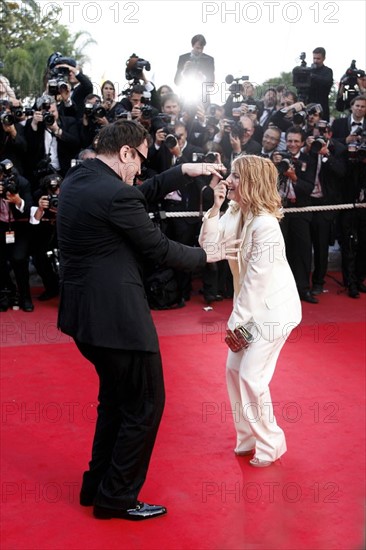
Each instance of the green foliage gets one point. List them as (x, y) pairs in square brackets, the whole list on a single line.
[(28, 38)]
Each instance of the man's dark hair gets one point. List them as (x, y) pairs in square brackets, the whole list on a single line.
[(122, 132), (169, 97), (358, 98), (270, 90), (320, 50), (199, 38), (296, 130), (91, 96), (289, 93), (276, 129)]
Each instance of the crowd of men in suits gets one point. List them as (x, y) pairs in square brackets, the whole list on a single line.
[(320, 162)]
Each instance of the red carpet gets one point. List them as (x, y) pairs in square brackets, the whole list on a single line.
[(312, 499)]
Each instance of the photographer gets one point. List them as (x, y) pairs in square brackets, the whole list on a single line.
[(240, 93), (346, 130), (53, 140), (236, 137), (196, 64), (321, 81), (295, 187), (171, 147), (93, 120), (353, 225), (43, 234), (270, 142), (136, 104), (15, 203), (64, 70), (351, 85), (328, 165), (314, 113), (13, 144)]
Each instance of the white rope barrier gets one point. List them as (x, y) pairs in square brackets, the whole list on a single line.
[(319, 208)]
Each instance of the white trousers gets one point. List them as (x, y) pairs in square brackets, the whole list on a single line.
[(248, 374)]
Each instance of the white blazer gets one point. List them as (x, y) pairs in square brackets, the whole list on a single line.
[(265, 292)]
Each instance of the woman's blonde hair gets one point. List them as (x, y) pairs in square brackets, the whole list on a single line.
[(258, 185)]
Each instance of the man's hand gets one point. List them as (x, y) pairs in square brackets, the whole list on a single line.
[(227, 249), (235, 143), (37, 118), (13, 198), (194, 169)]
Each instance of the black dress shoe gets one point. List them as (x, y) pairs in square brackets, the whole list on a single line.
[(317, 289), (209, 298), (308, 297), (47, 295), (142, 511), (361, 287), (353, 292), (26, 305)]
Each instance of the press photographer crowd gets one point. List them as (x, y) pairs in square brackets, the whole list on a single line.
[(320, 159)]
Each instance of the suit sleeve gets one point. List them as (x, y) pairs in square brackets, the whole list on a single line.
[(155, 188), (128, 213)]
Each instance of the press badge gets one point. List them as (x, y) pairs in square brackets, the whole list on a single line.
[(10, 237)]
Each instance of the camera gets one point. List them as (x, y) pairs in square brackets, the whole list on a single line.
[(235, 88), (9, 179), (210, 157), (301, 78), (48, 118), (357, 150), (44, 168), (8, 119), (314, 109), (285, 162), (58, 76), (351, 75), (171, 141), (94, 110), (146, 111), (320, 129), (299, 117), (50, 184), (134, 67), (163, 122), (252, 108), (235, 128)]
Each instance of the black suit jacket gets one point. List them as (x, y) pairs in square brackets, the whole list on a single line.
[(105, 236), (341, 128), (205, 64), (68, 145)]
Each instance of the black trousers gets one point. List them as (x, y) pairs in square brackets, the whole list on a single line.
[(296, 230), (18, 256), (43, 239), (353, 246), (322, 224), (131, 402)]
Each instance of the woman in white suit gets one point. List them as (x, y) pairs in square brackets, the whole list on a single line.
[(266, 301)]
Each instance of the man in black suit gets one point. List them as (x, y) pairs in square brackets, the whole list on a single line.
[(321, 81), (105, 235), (296, 184), (15, 204), (347, 130), (196, 63), (51, 136)]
